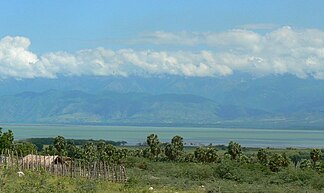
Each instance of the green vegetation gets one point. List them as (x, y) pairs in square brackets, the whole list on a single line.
[(41, 142), (172, 167)]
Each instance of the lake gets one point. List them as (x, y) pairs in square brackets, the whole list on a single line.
[(192, 135)]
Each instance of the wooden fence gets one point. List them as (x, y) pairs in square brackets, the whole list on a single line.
[(63, 166)]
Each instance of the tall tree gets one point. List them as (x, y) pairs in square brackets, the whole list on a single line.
[(60, 145), (315, 155), (154, 144), (296, 158), (72, 150), (89, 152), (262, 156), (6, 139), (278, 161), (174, 150), (206, 154), (234, 149), (110, 152)]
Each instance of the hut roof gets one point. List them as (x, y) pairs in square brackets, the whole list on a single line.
[(45, 160)]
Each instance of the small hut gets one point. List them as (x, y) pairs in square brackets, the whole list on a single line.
[(46, 161)]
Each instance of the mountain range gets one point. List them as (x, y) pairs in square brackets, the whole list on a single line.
[(234, 101)]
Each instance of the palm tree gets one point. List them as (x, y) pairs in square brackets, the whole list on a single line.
[(177, 142), (154, 143), (315, 155), (234, 149), (203, 154), (263, 156), (6, 139), (175, 149), (60, 144), (89, 152)]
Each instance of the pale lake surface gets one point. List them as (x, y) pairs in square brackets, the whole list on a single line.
[(192, 135)]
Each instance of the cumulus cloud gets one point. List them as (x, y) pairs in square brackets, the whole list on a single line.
[(17, 61), (126, 62), (281, 51)]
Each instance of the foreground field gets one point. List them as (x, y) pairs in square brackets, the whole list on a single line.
[(226, 176), (161, 167)]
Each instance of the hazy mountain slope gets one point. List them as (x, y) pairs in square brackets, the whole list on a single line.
[(108, 107), (233, 100)]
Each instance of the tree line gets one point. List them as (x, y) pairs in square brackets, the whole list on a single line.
[(156, 151)]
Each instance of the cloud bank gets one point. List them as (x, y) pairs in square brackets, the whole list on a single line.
[(281, 51)]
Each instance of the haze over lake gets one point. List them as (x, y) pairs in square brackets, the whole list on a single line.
[(192, 135)]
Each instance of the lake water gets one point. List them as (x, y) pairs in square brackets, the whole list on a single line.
[(136, 134)]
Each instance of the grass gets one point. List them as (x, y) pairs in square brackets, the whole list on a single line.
[(170, 177)]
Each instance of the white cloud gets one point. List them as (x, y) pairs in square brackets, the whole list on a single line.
[(258, 26), (161, 37), (16, 60), (281, 51)]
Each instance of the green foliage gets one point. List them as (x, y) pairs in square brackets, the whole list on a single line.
[(24, 148), (110, 152), (154, 144), (73, 151), (177, 142), (206, 154), (60, 145), (234, 149), (305, 164), (296, 158), (50, 150), (86, 186), (188, 157), (318, 182), (252, 172), (225, 170), (315, 155), (6, 139), (77, 142), (174, 150), (278, 161), (31, 182), (263, 156), (120, 155), (319, 167), (89, 152), (244, 159)]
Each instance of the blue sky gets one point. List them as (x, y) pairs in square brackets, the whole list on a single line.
[(180, 37), (78, 24)]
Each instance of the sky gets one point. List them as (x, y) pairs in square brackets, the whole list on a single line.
[(148, 37)]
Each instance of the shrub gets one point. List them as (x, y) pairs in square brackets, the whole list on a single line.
[(208, 154)]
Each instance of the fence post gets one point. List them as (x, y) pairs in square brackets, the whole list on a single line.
[(71, 167), (36, 161), (104, 168), (80, 167), (12, 159), (22, 160), (17, 160), (62, 172), (108, 171)]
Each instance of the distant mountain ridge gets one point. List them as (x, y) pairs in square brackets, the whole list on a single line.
[(271, 101), (108, 107)]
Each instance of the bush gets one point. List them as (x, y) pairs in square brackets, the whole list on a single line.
[(227, 169), (142, 165)]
